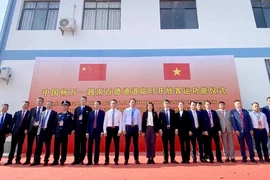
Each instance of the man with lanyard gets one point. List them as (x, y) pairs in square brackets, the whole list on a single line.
[(261, 131), (132, 127)]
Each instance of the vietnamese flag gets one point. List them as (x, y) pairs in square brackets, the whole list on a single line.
[(92, 72), (176, 71)]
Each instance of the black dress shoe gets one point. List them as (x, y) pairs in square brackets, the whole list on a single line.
[(152, 161), (183, 162), (89, 163), (116, 163), (220, 161), (211, 161), (96, 163), (7, 163), (106, 163), (233, 160), (149, 161), (18, 162), (54, 164), (35, 163), (62, 163), (81, 163), (227, 160), (74, 163), (261, 160), (125, 163), (244, 161), (26, 163), (267, 160), (45, 163), (194, 160), (137, 162), (165, 162), (174, 162), (204, 160), (253, 160), (187, 162)]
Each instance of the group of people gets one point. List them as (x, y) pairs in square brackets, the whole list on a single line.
[(195, 126)]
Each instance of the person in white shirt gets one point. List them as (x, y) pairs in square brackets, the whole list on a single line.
[(132, 127), (112, 130), (261, 131)]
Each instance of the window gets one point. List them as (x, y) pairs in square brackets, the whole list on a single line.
[(267, 64), (261, 11), (102, 15), (41, 15), (180, 14)]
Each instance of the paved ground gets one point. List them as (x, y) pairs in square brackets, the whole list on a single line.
[(200, 171)]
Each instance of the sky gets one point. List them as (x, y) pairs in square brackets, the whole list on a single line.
[(3, 7)]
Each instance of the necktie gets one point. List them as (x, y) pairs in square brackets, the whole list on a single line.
[(44, 120), (82, 109), (95, 121), (2, 119), (22, 116), (223, 113), (132, 117), (242, 117), (195, 119), (210, 117), (167, 118), (113, 118), (37, 115)]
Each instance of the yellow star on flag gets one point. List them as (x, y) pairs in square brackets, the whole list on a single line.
[(84, 68), (177, 72)]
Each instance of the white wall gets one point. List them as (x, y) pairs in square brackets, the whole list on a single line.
[(18, 88), (222, 24), (253, 80)]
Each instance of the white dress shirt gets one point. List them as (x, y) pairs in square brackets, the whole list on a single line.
[(108, 120), (259, 120), (150, 119), (168, 111), (127, 118), (48, 113), (195, 117), (181, 113)]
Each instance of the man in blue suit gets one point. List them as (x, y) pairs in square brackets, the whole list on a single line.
[(94, 131), (5, 120), (196, 134), (266, 110), (211, 130), (243, 128), (17, 127)]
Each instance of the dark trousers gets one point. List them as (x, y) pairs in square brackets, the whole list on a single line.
[(112, 133), (95, 136), (60, 141), (2, 142), (168, 136), (261, 138), (79, 147), (246, 136), (132, 132), (43, 137), (16, 139), (150, 141), (197, 137), (208, 145), (185, 146), (31, 136)]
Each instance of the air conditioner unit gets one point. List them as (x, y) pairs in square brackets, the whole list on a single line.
[(67, 24), (5, 73)]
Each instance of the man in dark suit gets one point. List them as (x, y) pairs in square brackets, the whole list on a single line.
[(81, 114), (94, 131), (62, 129), (33, 122), (266, 111), (17, 127), (243, 128), (5, 121), (183, 129), (212, 130), (168, 123), (44, 133)]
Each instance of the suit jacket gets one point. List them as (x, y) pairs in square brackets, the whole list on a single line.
[(162, 119), (206, 123), (16, 123), (156, 121), (31, 118), (80, 125), (266, 111), (237, 121), (66, 129), (6, 124), (225, 122), (193, 121), (50, 123), (183, 123), (91, 120)]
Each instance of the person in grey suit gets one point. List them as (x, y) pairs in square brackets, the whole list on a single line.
[(227, 132)]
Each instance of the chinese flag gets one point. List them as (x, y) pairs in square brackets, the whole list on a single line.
[(92, 72), (176, 71)]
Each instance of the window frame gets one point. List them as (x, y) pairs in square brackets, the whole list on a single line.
[(47, 10), (262, 9)]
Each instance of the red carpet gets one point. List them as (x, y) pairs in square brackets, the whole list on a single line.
[(200, 171)]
